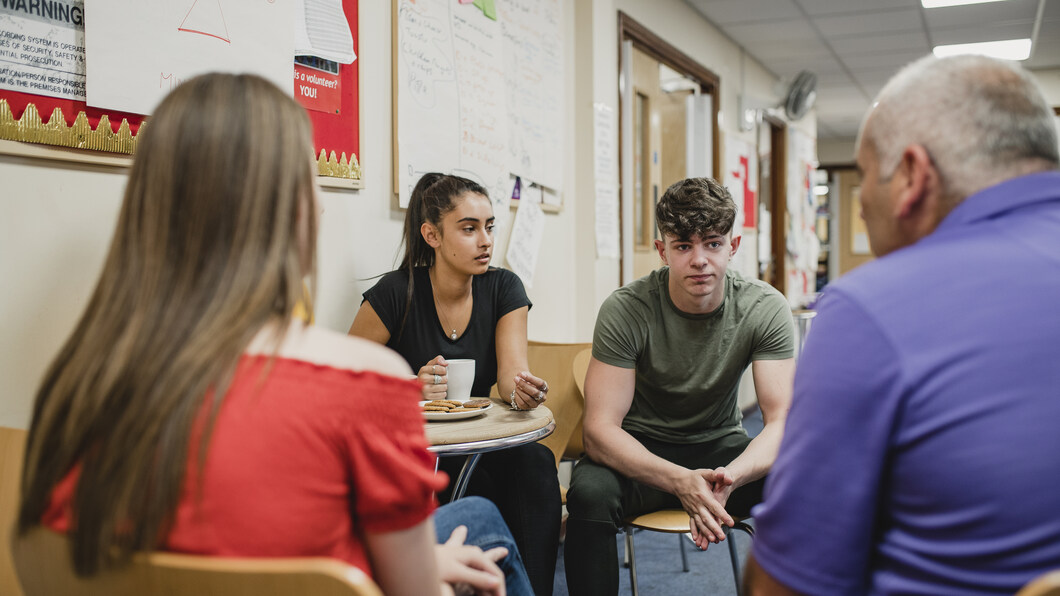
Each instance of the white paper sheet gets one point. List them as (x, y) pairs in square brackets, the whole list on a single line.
[(321, 30), (445, 126), (607, 221), (604, 143), (138, 50), (524, 244)]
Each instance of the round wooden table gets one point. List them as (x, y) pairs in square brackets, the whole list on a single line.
[(499, 428)]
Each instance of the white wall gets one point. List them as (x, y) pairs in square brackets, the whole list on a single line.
[(835, 151), (1049, 79), (58, 217)]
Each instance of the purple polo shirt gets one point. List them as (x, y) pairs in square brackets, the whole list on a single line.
[(922, 450)]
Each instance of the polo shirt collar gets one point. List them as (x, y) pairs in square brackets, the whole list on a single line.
[(1009, 195)]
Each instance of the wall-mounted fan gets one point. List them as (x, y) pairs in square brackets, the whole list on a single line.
[(801, 95), (797, 100)]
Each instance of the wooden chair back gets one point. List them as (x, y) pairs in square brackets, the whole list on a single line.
[(579, 366), (12, 450), (552, 362), (43, 561)]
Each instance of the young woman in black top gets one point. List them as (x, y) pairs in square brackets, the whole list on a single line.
[(446, 302)]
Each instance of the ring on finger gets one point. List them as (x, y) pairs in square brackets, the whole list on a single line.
[(539, 397), (437, 380)]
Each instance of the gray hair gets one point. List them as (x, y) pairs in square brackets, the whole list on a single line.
[(982, 121)]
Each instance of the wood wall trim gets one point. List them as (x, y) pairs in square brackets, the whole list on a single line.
[(778, 133), (658, 48)]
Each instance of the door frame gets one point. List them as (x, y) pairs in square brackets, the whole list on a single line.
[(778, 199), (629, 29)]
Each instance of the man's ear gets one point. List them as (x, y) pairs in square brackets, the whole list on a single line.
[(661, 247), (917, 184), (431, 234), (734, 245)]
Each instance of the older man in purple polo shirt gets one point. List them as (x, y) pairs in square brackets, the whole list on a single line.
[(922, 450)]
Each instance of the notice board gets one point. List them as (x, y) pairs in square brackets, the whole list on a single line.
[(479, 91), (42, 79)]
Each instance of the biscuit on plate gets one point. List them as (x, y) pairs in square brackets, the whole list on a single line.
[(477, 403)]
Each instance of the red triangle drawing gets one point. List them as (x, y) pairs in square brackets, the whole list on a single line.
[(207, 19)]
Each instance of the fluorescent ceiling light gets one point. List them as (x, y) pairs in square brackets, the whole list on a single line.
[(1009, 49), (942, 3)]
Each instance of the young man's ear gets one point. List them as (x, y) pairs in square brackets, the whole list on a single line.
[(431, 235), (661, 247), (734, 245)]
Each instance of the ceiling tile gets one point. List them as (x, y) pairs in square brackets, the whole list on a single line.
[(1050, 28), (806, 52), (833, 95), (869, 23), (868, 44), (986, 32), (755, 33), (836, 77), (823, 7), (793, 66), (873, 77), (974, 15), (1046, 55), (727, 12), (872, 38), (880, 60)]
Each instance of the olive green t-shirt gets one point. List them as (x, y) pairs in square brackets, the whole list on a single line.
[(689, 365)]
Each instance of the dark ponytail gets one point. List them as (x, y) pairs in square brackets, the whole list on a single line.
[(434, 195)]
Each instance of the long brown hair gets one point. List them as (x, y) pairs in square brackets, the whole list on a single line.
[(206, 252), (434, 195)]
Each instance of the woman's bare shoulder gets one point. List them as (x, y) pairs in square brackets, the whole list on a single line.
[(331, 348)]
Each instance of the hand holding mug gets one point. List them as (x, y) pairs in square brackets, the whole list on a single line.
[(434, 376)]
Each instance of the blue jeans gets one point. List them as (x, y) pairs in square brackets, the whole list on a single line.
[(486, 530), (522, 483)]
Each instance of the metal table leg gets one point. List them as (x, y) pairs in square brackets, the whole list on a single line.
[(464, 477)]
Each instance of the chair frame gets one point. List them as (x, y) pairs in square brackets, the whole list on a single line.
[(646, 522)]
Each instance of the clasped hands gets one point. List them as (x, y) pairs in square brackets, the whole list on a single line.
[(703, 494)]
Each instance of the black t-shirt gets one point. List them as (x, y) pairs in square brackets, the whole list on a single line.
[(494, 294)]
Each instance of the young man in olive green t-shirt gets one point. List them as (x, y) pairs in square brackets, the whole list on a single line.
[(662, 425)]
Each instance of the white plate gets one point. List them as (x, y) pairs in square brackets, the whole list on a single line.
[(442, 416)]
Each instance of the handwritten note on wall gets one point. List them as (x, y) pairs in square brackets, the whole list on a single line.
[(461, 82), (138, 50), (525, 241), (533, 59)]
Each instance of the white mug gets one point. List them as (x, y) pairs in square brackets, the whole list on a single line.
[(461, 373)]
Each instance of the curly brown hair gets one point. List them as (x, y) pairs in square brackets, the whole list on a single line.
[(695, 207)]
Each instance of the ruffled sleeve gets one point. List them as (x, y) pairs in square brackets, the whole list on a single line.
[(391, 470)]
